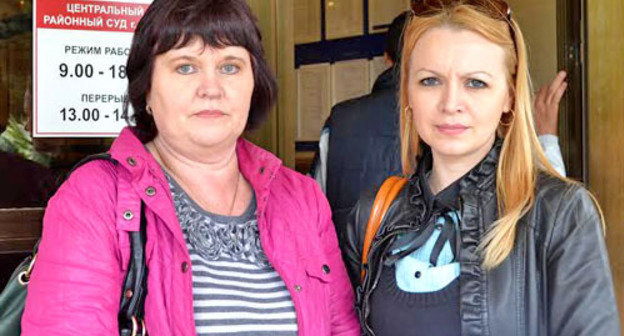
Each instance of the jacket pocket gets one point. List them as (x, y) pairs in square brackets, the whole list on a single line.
[(318, 293), (319, 268)]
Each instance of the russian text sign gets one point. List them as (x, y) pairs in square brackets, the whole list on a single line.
[(80, 50)]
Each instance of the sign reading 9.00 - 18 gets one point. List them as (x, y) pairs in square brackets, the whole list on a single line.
[(80, 50)]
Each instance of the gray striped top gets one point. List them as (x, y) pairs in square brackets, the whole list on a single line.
[(236, 291)]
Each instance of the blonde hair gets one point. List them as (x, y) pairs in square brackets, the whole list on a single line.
[(521, 155)]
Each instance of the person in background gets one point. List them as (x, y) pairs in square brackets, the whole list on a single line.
[(359, 144), (485, 238), (25, 183), (237, 244), (25, 172)]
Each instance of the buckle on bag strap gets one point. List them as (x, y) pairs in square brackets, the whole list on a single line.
[(24, 277), (135, 326)]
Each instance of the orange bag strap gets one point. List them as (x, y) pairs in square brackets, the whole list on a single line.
[(384, 198)]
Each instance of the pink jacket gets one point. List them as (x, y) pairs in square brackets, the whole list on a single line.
[(76, 284)]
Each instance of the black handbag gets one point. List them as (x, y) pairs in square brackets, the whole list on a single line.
[(131, 310)]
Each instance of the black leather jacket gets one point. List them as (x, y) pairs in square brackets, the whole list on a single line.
[(556, 281)]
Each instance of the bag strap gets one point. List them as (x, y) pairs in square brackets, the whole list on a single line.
[(132, 303), (384, 198), (92, 157), (132, 306), (99, 156)]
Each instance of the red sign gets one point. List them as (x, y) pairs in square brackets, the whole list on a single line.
[(89, 15)]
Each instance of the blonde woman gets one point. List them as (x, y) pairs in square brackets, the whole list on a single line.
[(485, 238)]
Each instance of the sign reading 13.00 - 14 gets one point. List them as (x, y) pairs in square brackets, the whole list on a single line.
[(80, 50)]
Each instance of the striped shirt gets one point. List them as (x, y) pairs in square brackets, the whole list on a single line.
[(236, 291)]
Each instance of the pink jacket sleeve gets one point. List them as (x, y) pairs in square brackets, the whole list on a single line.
[(76, 283), (343, 318)]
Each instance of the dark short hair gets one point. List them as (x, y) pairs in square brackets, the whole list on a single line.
[(172, 24), (394, 39)]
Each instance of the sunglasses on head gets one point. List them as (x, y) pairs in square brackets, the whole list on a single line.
[(497, 9)]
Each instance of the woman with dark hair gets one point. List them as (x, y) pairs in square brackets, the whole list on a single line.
[(237, 244)]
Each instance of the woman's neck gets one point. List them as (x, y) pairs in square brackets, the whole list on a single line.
[(447, 169), (212, 180), (214, 163)]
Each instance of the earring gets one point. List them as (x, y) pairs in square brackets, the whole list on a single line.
[(148, 109)]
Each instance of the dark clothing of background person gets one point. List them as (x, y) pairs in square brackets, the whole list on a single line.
[(363, 147), (24, 183)]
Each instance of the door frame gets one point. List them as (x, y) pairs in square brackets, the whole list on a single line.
[(572, 56)]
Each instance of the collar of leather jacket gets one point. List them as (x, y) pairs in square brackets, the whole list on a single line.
[(408, 213), (448, 198), (479, 181)]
